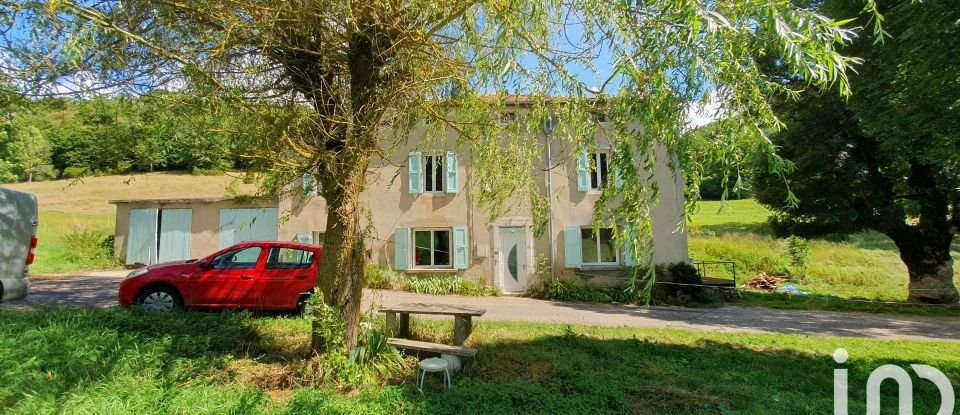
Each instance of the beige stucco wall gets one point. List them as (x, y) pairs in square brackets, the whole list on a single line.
[(393, 207), (204, 223)]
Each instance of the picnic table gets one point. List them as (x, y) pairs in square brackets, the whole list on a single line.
[(398, 324)]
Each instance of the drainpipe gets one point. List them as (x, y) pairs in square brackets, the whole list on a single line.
[(548, 125)]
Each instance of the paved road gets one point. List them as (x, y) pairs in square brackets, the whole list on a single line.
[(100, 290)]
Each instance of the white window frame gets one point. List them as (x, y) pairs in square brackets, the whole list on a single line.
[(413, 251), (596, 239), (441, 157), (603, 180)]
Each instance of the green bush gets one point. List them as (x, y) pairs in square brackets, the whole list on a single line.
[(382, 278), (799, 250), (86, 245), (74, 172)]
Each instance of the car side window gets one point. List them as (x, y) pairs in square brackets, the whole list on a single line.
[(245, 258), (289, 258)]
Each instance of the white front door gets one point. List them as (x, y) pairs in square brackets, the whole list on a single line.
[(513, 268)]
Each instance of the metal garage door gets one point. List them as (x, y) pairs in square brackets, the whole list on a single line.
[(175, 233), (142, 237), (238, 225)]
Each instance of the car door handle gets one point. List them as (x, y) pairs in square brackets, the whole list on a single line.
[(301, 277), (246, 277)]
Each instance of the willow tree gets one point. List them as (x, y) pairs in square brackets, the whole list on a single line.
[(342, 82)]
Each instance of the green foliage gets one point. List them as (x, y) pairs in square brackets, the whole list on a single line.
[(799, 250), (85, 246), (714, 168), (374, 352), (74, 172), (383, 278)]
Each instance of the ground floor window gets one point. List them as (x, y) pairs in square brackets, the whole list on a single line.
[(431, 248), (599, 248)]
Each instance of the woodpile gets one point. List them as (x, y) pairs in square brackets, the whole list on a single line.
[(763, 281)]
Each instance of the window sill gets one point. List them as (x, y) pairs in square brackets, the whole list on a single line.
[(432, 271), (601, 267), (435, 194)]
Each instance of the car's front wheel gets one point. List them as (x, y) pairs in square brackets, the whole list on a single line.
[(160, 299)]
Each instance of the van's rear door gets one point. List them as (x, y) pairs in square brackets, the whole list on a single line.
[(18, 226)]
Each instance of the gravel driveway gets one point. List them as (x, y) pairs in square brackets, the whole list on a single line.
[(99, 289)]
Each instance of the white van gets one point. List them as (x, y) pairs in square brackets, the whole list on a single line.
[(18, 239)]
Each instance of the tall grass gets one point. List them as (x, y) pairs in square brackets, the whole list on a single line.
[(73, 243)]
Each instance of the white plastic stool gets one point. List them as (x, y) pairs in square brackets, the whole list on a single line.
[(433, 364)]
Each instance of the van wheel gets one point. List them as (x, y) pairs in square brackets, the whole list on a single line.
[(160, 299)]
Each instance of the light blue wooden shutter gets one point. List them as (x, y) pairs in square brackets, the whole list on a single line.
[(460, 245), (583, 171), (401, 248), (175, 234), (451, 172), (628, 251), (142, 237), (571, 247), (309, 185), (414, 170)]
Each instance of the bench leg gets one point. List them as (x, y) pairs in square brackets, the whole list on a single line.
[(404, 325), (391, 324), (462, 326)]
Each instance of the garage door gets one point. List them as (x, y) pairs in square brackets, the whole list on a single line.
[(238, 225), (142, 237), (175, 226)]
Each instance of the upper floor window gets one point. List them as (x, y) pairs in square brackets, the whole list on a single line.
[(433, 173), (598, 171)]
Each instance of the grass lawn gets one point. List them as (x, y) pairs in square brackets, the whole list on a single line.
[(865, 266), (117, 361)]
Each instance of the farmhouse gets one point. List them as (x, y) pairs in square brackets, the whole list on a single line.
[(423, 221)]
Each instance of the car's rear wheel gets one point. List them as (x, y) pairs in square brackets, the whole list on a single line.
[(160, 299)]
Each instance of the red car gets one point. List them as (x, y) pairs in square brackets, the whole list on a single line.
[(265, 275)]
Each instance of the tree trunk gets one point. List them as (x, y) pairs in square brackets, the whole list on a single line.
[(931, 269), (342, 268)]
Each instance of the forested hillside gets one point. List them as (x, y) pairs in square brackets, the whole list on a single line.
[(66, 138)]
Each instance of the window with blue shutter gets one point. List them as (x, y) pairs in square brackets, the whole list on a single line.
[(401, 249), (414, 170), (571, 247), (451, 172), (460, 245), (583, 171)]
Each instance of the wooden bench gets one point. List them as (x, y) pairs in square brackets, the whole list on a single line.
[(431, 347), (462, 318)]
